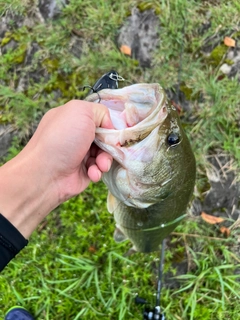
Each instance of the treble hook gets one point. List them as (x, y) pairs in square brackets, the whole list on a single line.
[(93, 91)]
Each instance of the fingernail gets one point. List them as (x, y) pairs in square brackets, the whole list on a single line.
[(99, 175)]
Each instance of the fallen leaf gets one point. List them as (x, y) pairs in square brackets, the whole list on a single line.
[(78, 32), (126, 50), (92, 249), (226, 231), (229, 42), (220, 77), (211, 219)]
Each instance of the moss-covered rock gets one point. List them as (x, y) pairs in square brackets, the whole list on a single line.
[(217, 55)]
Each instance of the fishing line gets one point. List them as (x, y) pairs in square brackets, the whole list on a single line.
[(155, 313), (164, 225), (180, 60), (160, 275)]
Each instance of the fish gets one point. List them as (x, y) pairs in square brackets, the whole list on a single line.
[(153, 173)]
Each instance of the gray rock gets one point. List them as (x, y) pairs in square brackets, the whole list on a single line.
[(33, 48), (75, 46), (6, 135), (32, 72), (51, 8), (141, 33), (11, 45), (232, 53), (178, 97), (232, 70), (9, 22), (223, 197)]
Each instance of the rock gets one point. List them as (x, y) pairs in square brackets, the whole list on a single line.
[(225, 68), (6, 135), (51, 8), (232, 70), (11, 45), (34, 47), (222, 199), (141, 33), (204, 27), (178, 97), (34, 73), (9, 22), (75, 46), (222, 56)]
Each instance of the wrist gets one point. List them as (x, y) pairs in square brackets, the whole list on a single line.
[(27, 193)]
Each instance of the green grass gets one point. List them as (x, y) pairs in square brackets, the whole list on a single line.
[(72, 268)]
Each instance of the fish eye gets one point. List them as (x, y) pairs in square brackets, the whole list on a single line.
[(173, 139)]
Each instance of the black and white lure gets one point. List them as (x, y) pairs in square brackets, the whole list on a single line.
[(108, 81)]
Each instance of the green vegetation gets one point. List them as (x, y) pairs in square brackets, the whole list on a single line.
[(72, 268)]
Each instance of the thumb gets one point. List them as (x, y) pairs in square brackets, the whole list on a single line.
[(102, 116)]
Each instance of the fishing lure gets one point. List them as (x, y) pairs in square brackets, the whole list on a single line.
[(108, 81)]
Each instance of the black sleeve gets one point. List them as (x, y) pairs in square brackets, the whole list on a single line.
[(11, 242)]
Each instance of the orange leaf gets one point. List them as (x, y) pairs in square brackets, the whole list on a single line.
[(229, 42), (126, 50), (225, 231), (211, 219), (92, 249)]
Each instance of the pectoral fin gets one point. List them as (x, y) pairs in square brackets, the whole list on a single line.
[(112, 203)]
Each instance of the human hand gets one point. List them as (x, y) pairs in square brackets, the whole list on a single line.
[(64, 142), (58, 163)]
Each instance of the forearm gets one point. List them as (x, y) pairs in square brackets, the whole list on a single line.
[(27, 194)]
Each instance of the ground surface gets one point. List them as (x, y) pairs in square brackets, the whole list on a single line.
[(72, 269)]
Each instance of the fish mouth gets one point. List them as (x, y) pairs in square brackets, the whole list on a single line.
[(140, 106)]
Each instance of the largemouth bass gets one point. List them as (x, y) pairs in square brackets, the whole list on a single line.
[(153, 173)]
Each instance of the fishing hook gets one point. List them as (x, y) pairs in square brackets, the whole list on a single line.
[(108, 81)]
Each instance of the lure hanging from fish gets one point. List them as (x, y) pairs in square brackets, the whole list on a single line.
[(108, 81)]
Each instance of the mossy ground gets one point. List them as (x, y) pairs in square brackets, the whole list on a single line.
[(72, 268)]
